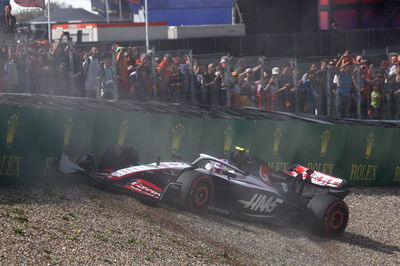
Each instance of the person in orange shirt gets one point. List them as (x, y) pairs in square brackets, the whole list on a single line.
[(164, 70)]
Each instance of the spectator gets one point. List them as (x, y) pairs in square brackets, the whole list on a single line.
[(198, 82), (286, 96), (107, 79), (247, 88), (393, 63), (7, 21), (272, 90), (308, 85), (164, 70), (376, 103), (123, 59), (235, 92), (320, 90), (396, 93), (209, 85), (365, 80), (12, 73), (346, 83), (91, 71)]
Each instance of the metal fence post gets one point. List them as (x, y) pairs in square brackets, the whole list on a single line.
[(114, 68), (295, 83), (71, 67), (27, 64), (359, 95), (154, 72), (228, 80), (329, 90), (191, 78)]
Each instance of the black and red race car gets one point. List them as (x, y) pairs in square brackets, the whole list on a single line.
[(243, 187)]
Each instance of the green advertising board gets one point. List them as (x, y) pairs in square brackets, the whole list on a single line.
[(319, 147), (31, 140), (114, 128), (391, 173), (60, 131), (18, 140), (366, 154), (274, 142)]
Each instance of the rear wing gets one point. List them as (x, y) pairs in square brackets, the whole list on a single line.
[(315, 177)]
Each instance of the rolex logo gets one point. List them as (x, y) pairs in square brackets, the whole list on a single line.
[(370, 145), (177, 135), (325, 137), (228, 139), (277, 140), (123, 132), (68, 126), (12, 127)]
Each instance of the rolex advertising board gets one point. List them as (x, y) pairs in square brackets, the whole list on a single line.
[(319, 147), (244, 135), (31, 140), (161, 131), (18, 141), (185, 137), (122, 128), (217, 137), (60, 131), (274, 142), (366, 154), (392, 168)]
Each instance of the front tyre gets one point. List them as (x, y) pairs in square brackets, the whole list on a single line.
[(196, 192), (326, 216)]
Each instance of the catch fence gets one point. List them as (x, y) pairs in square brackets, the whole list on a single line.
[(285, 84)]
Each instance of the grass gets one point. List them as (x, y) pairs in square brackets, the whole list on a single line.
[(22, 219), (131, 241), (65, 218), (19, 232), (225, 255), (46, 251), (16, 211)]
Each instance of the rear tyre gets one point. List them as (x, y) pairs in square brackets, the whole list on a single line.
[(196, 192), (326, 216), (119, 157)]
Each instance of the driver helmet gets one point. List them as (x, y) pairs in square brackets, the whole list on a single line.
[(217, 167)]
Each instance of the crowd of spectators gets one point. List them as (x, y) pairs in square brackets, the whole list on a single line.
[(345, 86)]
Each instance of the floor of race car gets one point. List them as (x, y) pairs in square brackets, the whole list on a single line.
[(76, 222)]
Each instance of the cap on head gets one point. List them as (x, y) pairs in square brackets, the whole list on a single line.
[(276, 71)]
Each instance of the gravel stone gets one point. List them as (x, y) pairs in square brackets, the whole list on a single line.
[(77, 222)]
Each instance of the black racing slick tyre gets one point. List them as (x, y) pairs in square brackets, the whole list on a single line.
[(119, 157), (196, 191), (326, 216)]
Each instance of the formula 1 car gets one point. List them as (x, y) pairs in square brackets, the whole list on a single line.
[(243, 187)]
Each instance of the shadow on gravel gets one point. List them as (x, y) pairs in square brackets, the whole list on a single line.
[(368, 243)]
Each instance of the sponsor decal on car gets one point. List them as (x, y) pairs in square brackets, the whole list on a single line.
[(141, 188), (261, 203)]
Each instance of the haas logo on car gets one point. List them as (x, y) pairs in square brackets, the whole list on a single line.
[(261, 203)]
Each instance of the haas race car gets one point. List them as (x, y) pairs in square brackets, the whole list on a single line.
[(243, 187)]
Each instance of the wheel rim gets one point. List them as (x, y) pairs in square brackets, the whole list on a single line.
[(201, 195), (336, 220)]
